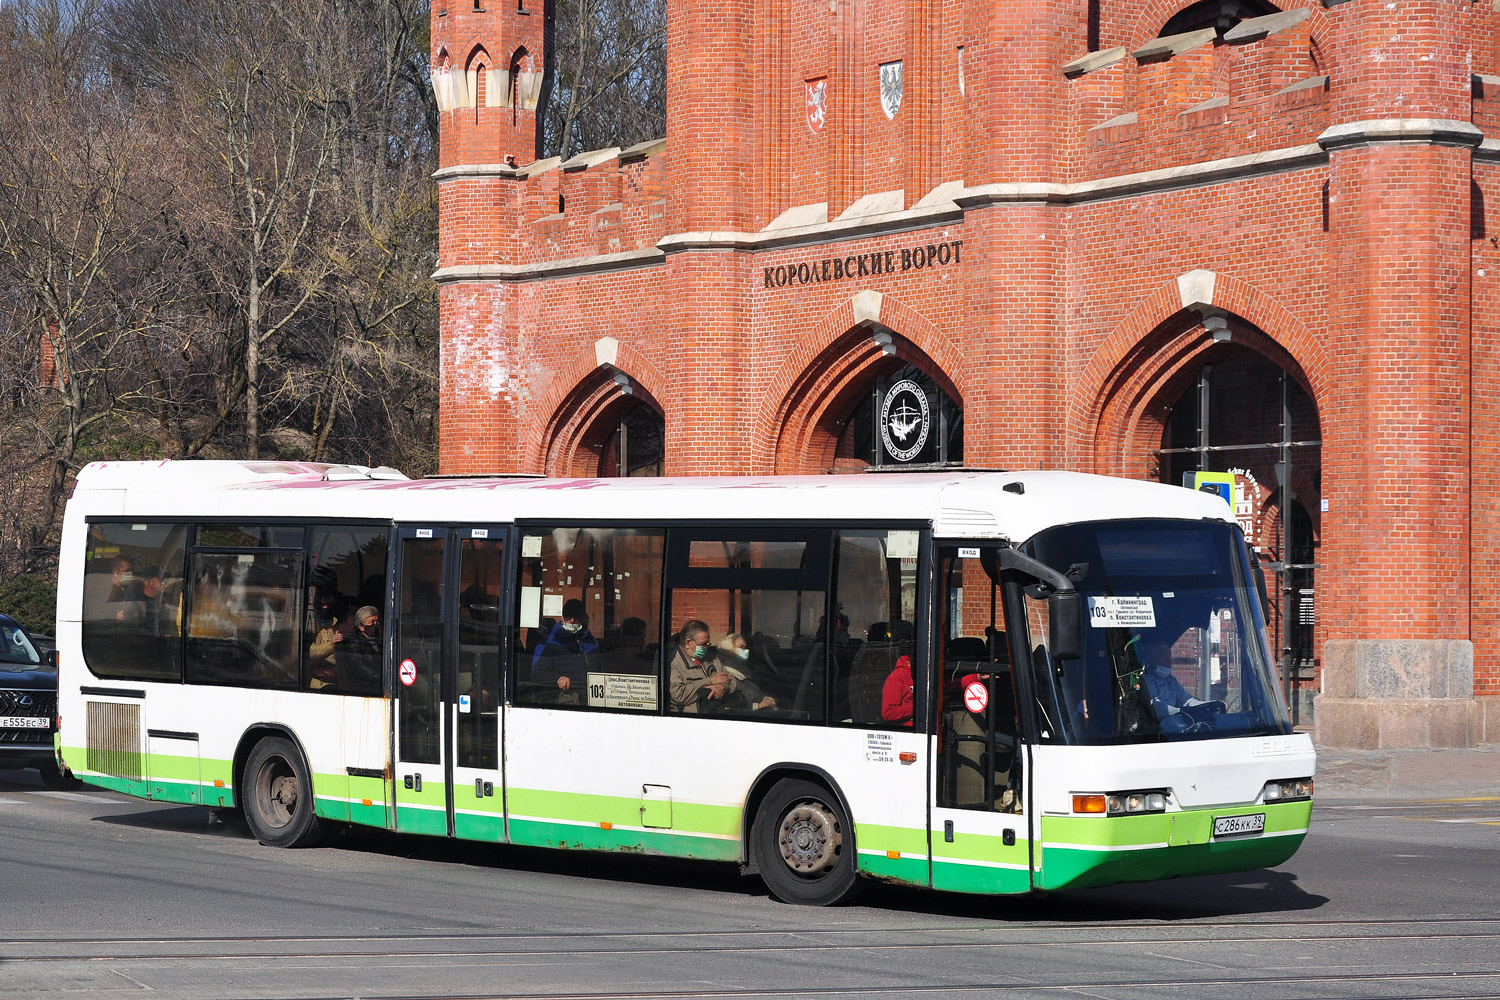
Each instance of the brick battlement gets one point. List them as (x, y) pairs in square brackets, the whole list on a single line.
[(1269, 84), (1190, 98), (605, 201)]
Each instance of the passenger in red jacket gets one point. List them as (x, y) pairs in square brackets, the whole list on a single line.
[(896, 698)]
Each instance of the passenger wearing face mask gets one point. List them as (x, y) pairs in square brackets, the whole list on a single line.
[(695, 670), (734, 659), (565, 657), (332, 629), (1165, 692), (360, 657)]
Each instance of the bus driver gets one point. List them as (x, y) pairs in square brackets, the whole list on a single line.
[(1167, 695)]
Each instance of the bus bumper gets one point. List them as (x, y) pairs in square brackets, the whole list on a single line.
[(1083, 851)]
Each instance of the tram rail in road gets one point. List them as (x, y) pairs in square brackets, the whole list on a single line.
[(148, 898)]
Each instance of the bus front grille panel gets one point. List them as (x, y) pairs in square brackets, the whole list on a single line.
[(114, 739)]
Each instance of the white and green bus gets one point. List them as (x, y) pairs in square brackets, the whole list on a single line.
[(979, 682)]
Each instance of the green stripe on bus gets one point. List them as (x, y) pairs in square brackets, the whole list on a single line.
[(1083, 851), (983, 847), (170, 767), (957, 876), (905, 869), (125, 786), (467, 826), (671, 843), (370, 815), (1181, 829), (687, 817), (428, 821), (875, 837), (1070, 868)]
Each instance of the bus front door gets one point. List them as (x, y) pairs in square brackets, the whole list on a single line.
[(979, 831), (447, 652)]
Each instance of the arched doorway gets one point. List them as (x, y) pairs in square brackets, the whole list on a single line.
[(1244, 426), (905, 419), (609, 425), (635, 445)]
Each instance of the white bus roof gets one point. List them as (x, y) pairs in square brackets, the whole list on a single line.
[(961, 504)]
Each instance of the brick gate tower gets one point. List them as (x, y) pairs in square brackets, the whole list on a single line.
[(488, 72), (1254, 239)]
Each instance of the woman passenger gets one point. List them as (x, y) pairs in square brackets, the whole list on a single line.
[(734, 660)]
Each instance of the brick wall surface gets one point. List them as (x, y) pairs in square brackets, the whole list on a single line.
[(1050, 299)]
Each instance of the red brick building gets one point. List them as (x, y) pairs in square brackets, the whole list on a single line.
[(1135, 238)]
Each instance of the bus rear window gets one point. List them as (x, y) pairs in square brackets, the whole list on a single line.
[(133, 600)]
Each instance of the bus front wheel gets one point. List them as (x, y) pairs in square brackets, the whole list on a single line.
[(803, 845), (278, 798)]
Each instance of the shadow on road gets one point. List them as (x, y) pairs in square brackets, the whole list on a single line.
[(1266, 892), (1262, 892)]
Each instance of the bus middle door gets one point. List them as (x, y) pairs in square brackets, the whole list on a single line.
[(446, 624), (979, 833)]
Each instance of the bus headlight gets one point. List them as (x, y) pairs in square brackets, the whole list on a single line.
[(1287, 790), (1121, 803), (1129, 803)]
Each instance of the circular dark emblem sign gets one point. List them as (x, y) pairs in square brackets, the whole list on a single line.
[(904, 420)]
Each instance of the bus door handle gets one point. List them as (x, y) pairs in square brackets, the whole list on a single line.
[(413, 781)]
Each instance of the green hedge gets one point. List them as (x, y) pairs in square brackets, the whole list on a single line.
[(32, 601)]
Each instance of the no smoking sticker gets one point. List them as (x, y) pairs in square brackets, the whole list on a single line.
[(976, 696), (408, 672)]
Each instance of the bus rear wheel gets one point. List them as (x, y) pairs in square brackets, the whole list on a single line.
[(803, 845), (278, 799)]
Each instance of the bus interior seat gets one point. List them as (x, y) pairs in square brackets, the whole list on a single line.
[(872, 665), (966, 647), (808, 700)]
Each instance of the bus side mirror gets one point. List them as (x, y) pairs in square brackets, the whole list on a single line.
[(1065, 632), (1260, 585)]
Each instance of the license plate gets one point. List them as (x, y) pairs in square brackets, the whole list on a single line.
[(24, 722), (1238, 826)]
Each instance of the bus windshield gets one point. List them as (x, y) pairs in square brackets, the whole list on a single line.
[(1174, 641)]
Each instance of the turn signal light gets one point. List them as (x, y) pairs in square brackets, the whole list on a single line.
[(907, 757), (1088, 803)]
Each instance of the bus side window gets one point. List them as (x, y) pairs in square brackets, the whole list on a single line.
[(345, 575), (588, 615), (244, 624), (875, 611), (761, 595), (132, 600)]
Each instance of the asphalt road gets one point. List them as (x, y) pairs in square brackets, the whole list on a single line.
[(110, 897)]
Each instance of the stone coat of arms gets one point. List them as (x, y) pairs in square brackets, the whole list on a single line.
[(817, 104), (890, 88)]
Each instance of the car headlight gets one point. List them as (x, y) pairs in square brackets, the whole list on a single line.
[(1287, 790)]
